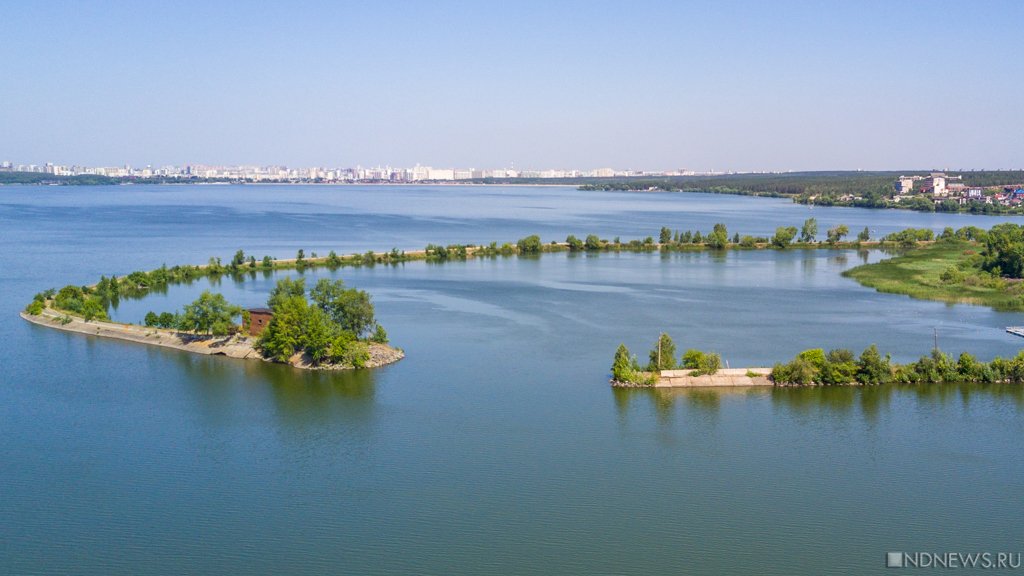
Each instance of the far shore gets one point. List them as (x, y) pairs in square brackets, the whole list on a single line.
[(234, 346)]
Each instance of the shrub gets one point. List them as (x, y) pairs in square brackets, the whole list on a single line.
[(709, 364), (529, 245), (345, 349), (692, 359)]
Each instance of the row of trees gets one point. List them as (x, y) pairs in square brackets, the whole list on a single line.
[(332, 325), (627, 369), (839, 367)]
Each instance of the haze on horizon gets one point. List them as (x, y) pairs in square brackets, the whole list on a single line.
[(639, 85)]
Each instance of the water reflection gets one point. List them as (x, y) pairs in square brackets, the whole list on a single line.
[(842, 402), (840, 260), (225, 387), (703, 403)]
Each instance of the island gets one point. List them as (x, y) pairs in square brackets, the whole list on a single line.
[(333, 327)]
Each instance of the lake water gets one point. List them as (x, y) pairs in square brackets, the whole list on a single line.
[(496, 446)]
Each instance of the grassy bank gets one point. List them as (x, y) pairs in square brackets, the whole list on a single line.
[(946, 271)]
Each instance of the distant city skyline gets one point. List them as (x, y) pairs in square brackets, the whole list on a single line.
[(278, 172), (736, 86)]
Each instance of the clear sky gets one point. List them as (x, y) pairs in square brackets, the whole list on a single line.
[(720, 85)]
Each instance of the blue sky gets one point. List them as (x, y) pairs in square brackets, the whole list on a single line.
[(645, 85)]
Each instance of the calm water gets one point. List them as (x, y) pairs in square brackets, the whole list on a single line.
[(496, 446)]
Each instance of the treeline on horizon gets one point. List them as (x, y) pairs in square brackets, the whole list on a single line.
[(797, 183)]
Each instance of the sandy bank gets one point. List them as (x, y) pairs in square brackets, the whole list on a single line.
[(231, 346), (723, 378)]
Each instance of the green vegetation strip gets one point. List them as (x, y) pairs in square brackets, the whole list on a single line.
[(968, 266), (815, 367)]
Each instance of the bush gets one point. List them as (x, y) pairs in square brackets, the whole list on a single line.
[(529, 245), (692, 359), (35, 308), (346, 350), (709, 364), (92, 309), (952, 275)]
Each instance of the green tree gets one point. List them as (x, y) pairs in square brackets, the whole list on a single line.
[(872, 368), (1004, 250), (836, 233), (592, 242), (351, 309), (718, 239), (575, 244), (209, 314), (239, 259), (864, 235), (666, 235), (663, 355), (622, 366), (283, 336), (318, 333), (809, 230), (284, 289), (783, 236)]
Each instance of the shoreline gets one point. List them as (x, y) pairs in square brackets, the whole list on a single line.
[(235, 346)]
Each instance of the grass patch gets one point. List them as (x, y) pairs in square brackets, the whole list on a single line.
[(919, 273)]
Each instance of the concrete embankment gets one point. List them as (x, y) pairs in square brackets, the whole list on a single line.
[(723, 377), (231, 346)]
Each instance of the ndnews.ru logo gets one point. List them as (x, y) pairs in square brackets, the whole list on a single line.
[(983, 560)]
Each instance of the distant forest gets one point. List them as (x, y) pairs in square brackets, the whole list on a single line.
[(793, 184), (39, 178)]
